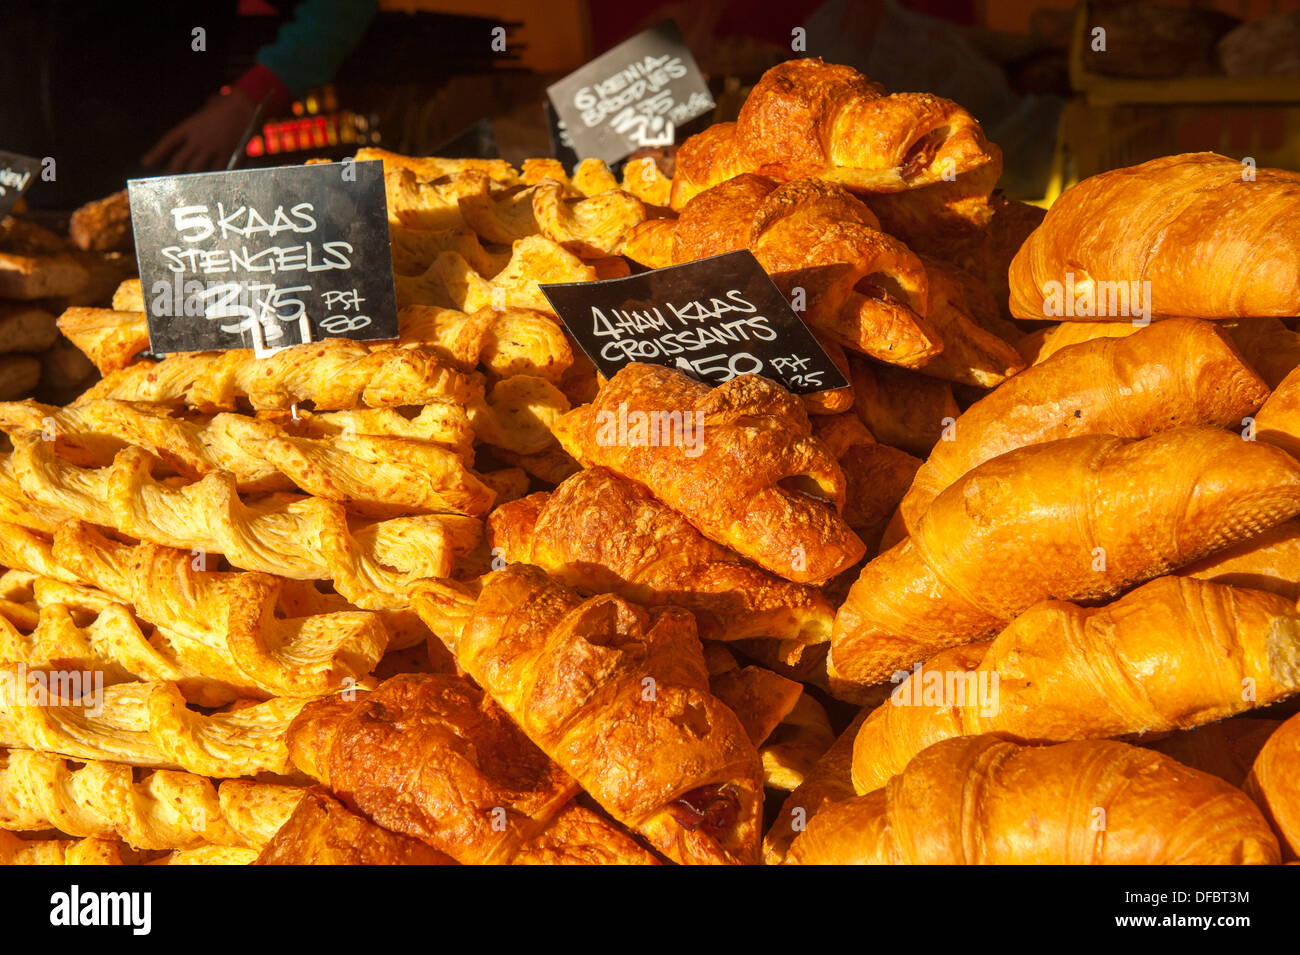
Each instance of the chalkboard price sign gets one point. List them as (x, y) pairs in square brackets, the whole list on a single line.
[(17, 173), (714, 319), (633, 97), (264, 258)]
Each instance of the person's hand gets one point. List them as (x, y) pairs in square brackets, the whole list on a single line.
[(205, 139)]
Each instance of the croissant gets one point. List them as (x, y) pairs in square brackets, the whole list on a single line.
[(245, 629), (322, 831), (980, 800), (901, 408), (1268, 561), (860, 288), (1172, 654), (1178, 372), (809, 118), (334, 375), (147, 725), (372, 476), (1076, 519), (792, 750), (600, 533), (435, 759), (372, 565), (1206, 241), (756, 480), (875, 475), (1278, 421), (619, 698), (1272, 784), (163, 810)]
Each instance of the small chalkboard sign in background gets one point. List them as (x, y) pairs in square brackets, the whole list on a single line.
[(264, 258), (17, 173), (636, 96), (714, 318)]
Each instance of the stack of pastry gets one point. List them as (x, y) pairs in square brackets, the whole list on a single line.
[(372, 603), (40, 274)]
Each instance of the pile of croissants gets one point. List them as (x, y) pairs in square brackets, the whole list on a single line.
[(1025, 592)]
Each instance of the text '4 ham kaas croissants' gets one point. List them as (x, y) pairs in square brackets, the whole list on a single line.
[(1200, 239), (619, 698), (738, 461), (1179, 372), (1174, 653), (1078, 519), (980, 800)]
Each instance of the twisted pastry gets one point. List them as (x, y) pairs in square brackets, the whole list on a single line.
[(414, 250), (249, 631), (372, 565), (980, 800), (149, 725), (419, 203), (16, 851), (644, 179), (164, 809), (619, 698), (433, 757), (589, 227), (372, 476), (334, 375), (441, 422), (757, 481), (110, 339), (1172, 654), (600, 533), (1077, 519), (506, 342), (432, 168)]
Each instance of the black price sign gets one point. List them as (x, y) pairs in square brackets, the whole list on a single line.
[(714, 319), (17, 173), (635, 96), (265, 258)]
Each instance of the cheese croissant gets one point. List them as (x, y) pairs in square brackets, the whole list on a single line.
[(1172, 373), (619, 698), (164, 809), (372, 565), (1172, 654), (1078, 519), (1204, 240), (754, 478), (245, 629), (1274, 784), (432, 757), (980, 800), (806, 118), (600, 533)]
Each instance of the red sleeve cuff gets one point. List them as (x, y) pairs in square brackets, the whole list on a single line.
[(260, 81)]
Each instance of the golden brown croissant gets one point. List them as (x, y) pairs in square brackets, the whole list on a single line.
[(809, 118), (1205, 242), (754, 479), (980, 800), (163, 809), (1078, 519), (249, 630), (1274, 784), (600, 533), (1178, 372), (619, 698), (434, 758), (372, 565), (1268, 561), (902, 408), (1278, 422), (372, 476), (1172, 654), (322, 831)]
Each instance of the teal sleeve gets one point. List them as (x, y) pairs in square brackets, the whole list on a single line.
[(311, 47)]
